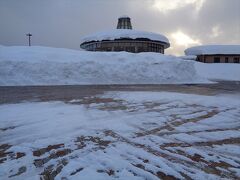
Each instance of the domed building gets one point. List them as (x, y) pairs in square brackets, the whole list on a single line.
[(124, 38)]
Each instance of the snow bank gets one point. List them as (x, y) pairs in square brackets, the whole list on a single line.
[(218, 71), (188, 57), (125, 33), (213, 49), (54, 66)]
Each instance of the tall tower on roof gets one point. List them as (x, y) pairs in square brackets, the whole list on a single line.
[(124, 22)]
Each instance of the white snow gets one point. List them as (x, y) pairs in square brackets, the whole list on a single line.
[(190, 57), (54, 66), (136, 150), (213, 49), (138, 97), (219, 71), (125, 33), (21, 65)]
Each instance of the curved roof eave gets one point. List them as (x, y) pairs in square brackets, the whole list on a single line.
[(126, 33)]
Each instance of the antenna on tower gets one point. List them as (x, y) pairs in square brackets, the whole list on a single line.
[(29, 38)]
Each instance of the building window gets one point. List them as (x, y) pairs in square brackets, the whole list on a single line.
[(226, 59), (109, 49), (236, 60), (130, 49), (140, 49), (216, 59), (94, 46), (118, 48)]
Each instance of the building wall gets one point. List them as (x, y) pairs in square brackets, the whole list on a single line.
[(133, 46), (219, 58)]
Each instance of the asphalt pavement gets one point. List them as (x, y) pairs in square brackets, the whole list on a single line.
[(17, 94)]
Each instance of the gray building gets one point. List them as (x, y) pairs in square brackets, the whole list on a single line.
[(124, 38)]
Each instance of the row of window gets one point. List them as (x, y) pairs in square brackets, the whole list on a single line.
[(146, 46), (131, 49), (235, 60), (125, 44)]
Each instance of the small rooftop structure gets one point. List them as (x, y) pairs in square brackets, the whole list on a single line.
[(125, 39), (215, 53), (124, 22)]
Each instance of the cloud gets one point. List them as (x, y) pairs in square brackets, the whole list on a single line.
[(182, 39), (165, 6), (62, 23), (216, 31)]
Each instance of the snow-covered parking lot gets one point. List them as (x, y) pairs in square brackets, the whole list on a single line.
[(105, 132), (122, 135)]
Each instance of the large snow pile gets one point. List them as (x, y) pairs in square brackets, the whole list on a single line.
[(213, 49), (125, 33), (53, 66)]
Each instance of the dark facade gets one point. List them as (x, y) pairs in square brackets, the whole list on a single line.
[(219, 58)]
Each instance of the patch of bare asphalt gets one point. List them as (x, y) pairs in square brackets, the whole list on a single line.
[(195, 131), (95, 100), (42, 151), (208, 167), (159, 174), (175, 122), (51, 171), (62, 154), (21, 170), (5, 154), (100, 143), (76, 171), (208, 143)]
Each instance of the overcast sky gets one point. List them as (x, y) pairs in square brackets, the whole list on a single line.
[(62, 23)]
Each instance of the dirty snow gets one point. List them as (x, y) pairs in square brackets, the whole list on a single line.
[(122, 135)]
